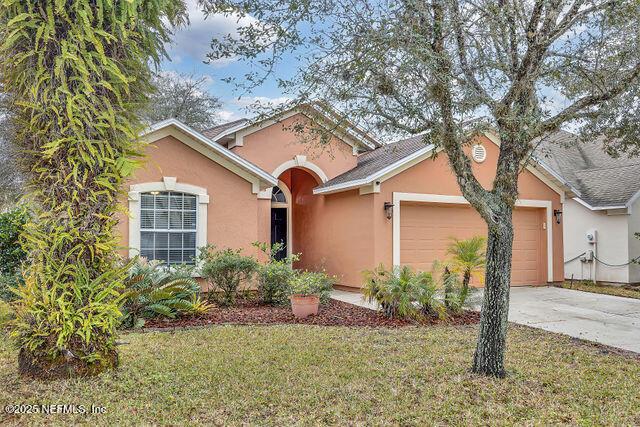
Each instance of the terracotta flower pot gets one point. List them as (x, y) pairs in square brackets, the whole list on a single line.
[(304, 305)]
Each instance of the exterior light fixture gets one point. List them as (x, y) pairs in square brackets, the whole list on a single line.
[(558, 214), (388, 208), (155, 193)]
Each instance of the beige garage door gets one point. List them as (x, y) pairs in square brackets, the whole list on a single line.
[(426, 229)]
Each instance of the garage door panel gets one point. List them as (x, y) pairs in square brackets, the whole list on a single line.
[(426, 231)]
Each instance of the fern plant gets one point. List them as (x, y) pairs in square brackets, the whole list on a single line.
[(76, 71), (69, 323)]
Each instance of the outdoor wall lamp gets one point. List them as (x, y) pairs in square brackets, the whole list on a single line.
[(558, 214), (388, 208)]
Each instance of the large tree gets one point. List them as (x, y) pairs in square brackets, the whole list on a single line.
[(184, 97), (76, 72), (451, 68)]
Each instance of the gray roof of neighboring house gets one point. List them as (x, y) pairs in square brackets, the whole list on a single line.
[(376, 160), (217, 130), (601, 180)]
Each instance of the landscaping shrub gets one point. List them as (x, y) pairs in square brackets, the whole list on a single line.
[(312, 283), (427, 296), (154, 290), (456, 291), (7, 283), (11, 253), (68, 326), (274, 276), (402, 293), (226, 270)]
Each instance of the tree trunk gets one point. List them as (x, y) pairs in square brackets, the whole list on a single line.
[(490, 350), (466, 278)]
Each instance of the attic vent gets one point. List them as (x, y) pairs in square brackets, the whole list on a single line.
[(479, 153)]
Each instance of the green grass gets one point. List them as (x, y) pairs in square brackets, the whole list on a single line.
[(620, 291), (305, 375)]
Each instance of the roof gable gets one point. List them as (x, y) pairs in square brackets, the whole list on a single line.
[(259, 178), (344, 130)]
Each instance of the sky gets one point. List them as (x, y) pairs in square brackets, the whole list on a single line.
[(188, 53)]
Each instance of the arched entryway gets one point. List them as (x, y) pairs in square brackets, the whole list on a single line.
[(293, 206)]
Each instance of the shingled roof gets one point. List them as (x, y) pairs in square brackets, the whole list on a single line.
[(602, 180), (374, 161), (217, 130)]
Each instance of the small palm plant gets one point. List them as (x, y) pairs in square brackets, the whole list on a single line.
[(467, 258), (402, 293)]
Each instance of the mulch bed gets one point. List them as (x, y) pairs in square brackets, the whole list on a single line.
[(335, 313)]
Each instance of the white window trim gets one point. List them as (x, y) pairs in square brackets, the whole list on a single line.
[(167, 184), (460, 200)]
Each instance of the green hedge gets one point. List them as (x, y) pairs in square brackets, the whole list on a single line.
[(11, 253)]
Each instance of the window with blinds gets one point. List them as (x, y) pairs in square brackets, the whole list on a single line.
[(168, 225)]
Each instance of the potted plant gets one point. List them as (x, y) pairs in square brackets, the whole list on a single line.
[(308, 290)]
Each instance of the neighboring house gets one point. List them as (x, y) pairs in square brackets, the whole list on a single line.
[(346, 206), (606, 208)]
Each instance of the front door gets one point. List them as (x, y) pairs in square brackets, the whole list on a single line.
[(279, 230)]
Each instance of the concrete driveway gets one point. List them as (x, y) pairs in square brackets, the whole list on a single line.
[(606, 319)]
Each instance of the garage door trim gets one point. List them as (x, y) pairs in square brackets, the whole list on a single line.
[(459, 200)]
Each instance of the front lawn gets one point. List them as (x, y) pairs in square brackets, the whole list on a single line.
[(620, 291), (300, 374)]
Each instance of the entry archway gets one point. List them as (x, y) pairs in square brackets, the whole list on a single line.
[(301, 161), (294, 209)]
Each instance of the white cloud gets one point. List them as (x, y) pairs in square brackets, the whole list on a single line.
[(225, 116), (194, 41)]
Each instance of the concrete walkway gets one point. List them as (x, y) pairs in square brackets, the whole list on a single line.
[(606, 319)]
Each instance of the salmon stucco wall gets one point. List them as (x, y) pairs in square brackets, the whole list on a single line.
[(276, 144), (345, 229), (234, 214)]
